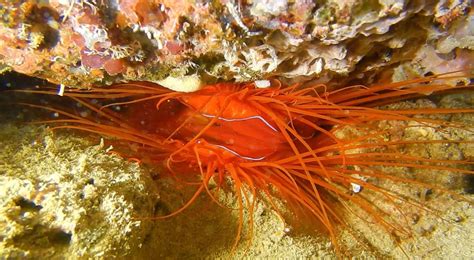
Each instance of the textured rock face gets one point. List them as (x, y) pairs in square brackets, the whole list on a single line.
[(62, 198), (91, 42)]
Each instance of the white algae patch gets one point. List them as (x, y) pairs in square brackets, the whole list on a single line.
[(61, 197)]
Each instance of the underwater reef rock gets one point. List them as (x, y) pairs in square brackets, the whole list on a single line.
[(81, 43), (60, 197)]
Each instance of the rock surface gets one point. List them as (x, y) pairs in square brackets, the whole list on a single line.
[(81, 43), (61, 197)]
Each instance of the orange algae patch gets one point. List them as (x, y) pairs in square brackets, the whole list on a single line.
[(280, 138)]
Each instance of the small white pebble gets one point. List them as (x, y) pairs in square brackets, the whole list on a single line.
[(262, 83), (356, 188)]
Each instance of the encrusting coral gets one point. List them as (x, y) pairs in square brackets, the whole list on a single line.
[(89, 42)]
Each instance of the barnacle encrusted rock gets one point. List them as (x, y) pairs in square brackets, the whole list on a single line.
[(91, 42), (60, 197)]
